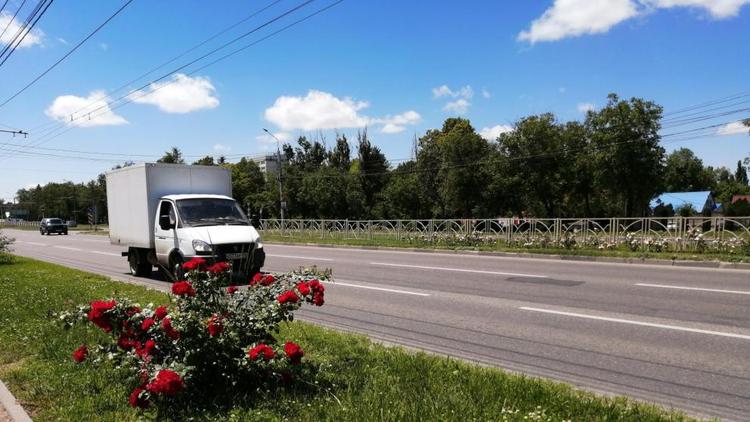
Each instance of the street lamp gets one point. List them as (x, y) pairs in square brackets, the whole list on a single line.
[(278, 160)]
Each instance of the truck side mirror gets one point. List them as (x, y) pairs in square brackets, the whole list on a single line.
[(255, 221), (165, 222)]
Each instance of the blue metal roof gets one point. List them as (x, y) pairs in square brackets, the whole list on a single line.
[(679, 199)]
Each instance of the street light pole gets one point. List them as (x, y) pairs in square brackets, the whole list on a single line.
[(281, 189)]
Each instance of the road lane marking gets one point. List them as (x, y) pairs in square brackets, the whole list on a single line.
[(641, 323), (406, 292), (299, 257), (32, 243), (68, 248), (700, 289), (106, 253), (462, 270)]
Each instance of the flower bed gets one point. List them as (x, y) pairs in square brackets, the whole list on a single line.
[(211, 340)]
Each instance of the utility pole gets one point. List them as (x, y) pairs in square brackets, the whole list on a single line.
[(282, 205)]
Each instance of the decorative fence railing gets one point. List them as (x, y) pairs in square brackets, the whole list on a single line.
[(721, 234)]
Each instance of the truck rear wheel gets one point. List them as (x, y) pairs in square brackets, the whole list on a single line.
[(139, 267)]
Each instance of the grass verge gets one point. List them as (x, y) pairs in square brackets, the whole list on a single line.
[(356, 379), (614, 253)]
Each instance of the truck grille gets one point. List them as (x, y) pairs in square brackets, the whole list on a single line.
[(229, 253)]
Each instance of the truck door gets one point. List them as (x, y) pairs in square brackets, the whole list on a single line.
[(165, 240)]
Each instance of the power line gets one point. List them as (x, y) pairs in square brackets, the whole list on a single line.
[(317, 12), (29, 28), (21, 28), (71, 51), (709, 103), (13, 19), (179, 56), (3, 6)]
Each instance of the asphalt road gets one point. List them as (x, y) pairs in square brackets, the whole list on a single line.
[(676, 336)]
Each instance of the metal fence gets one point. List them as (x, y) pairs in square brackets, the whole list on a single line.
[(725, 234)]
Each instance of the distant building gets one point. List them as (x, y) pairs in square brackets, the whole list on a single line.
[(268, 164), (701, 202), (736, 198)]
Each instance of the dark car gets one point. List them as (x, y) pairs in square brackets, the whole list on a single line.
[(53, 225)]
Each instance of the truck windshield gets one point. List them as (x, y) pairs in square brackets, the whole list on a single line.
[(210, 212), (55, 221)]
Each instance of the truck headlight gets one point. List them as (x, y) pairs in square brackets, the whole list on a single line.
[(201, 247)]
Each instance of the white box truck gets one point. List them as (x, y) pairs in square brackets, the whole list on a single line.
[(166, 214)]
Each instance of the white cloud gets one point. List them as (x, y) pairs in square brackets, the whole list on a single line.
[(12, 26), (64, 106), (573, 18), (317, 110), (397, 123), (320, 110), (222, 148), (443, 91), (460, 106), (104, 46), (585, 107), (182, 94), (62, 41), (719, 9), (734, 128), (486, 93), (491, 133)]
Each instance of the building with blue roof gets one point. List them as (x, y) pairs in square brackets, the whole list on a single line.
[(701, 202)]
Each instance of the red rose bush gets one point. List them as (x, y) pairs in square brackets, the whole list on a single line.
[(210, 340)]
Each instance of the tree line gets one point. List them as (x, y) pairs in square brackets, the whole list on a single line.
[(611, 164)]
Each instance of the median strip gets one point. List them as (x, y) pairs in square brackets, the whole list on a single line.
[(461, 270), (700, 289), (640, 323)]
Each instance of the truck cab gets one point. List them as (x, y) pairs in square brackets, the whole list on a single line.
[(212, 227)]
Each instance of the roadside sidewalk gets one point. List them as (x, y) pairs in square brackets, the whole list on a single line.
[(10, 409)]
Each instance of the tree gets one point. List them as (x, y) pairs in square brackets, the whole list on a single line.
[(625, 137), (173, 156), (340, 156), (402, 198), (205, 161), (247, 183), (684, 172), (740, 175), (373, 170)]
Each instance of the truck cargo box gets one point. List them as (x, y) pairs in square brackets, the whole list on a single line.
[(133, 194)]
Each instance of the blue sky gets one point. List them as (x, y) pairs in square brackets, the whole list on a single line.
[(398, 67)]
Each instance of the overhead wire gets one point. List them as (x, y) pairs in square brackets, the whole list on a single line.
[(21, 27), (12, 19), (29, 28)]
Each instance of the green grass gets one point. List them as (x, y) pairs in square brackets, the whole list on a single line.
[(395, 243), (355, 378)]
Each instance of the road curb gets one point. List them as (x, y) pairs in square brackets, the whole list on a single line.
[(606, 259), (11, 405)]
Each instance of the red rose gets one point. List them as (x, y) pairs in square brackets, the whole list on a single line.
[(132, 311), (147, 323), (318, 299), (79, 355), (317, 289), (294, 352), (145, 350), (303, 288), (183, 288), (215, 326), (262, 350), (316, 286), (166, 325), (262, 279), (231, 289), (136, 400), (288, 297), (218, 268), (194, 264), (97, 314), (167, 382), (125, 342), (160, 312)]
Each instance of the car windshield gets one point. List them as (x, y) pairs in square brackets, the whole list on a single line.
[(210, 212), (54, 221)]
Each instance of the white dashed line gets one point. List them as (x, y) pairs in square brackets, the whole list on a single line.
[(700, 289)]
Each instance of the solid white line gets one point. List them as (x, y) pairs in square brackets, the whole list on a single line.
[(32, 243), (338, 283), (299, 257), (68, 248), (106, 253), (641, 323), (462, 270), (700, 289)]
